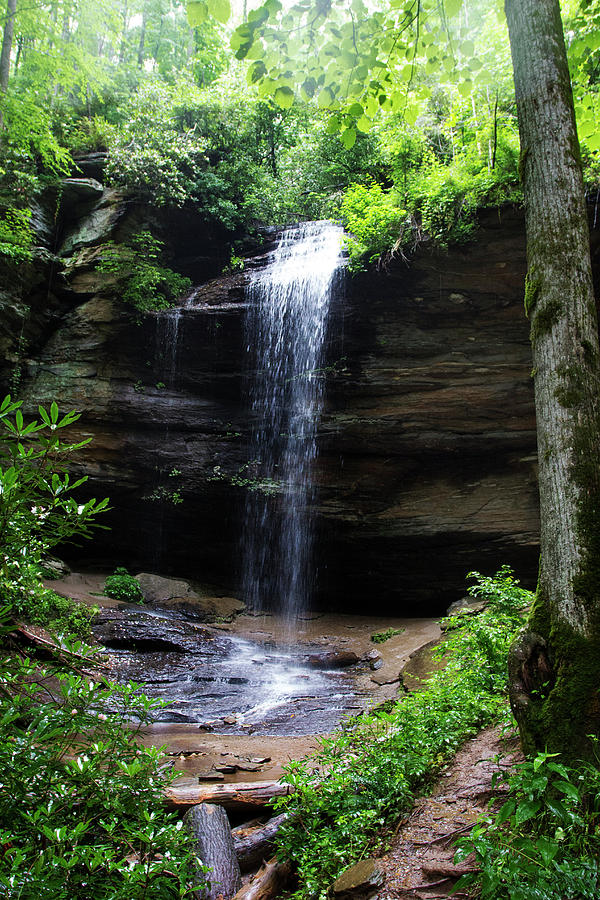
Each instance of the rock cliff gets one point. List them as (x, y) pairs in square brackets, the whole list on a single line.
[(427, 464)]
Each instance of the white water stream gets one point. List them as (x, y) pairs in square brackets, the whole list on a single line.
[(285, 331)]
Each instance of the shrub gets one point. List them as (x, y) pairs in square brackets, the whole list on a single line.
[(38, 511), (544, 841), (140, 279), (123, 586), (374, 220), (81, 806), (31, 601), (380, 637)]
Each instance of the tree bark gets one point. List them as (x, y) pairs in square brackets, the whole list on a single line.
[(267, 882), (555, 664), (7, 42), (254, 845), (240, 795), (209, 826)]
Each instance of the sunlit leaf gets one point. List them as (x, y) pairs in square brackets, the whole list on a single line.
[(220, 10), (197, 12), (348, 138), (284, 97)]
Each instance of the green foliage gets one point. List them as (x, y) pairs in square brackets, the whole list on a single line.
[(139, 279), (544, 840), (30, 601), (81, 808), (38, 511), (123, 586), (374, 221), (15, 234), (380, 637), (365, 775)]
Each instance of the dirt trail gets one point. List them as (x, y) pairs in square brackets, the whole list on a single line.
[(420, 864)]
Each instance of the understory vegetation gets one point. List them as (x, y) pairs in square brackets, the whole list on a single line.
[(81, 800), (544, 841), (541, 842), (363, 778)]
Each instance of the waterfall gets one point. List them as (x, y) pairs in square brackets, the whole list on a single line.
[(285, 333)]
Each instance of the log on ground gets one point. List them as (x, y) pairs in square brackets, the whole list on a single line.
[(254, 845), (267, 883), (234, 796)]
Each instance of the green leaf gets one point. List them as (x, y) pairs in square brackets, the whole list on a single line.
[(506, 811), (526, 810), (256, 71), (547, 848), (325, 98), (54, 413), (565, 787), (284, 97), (333, 125), (220, 10), (197, 12), (348, 138)]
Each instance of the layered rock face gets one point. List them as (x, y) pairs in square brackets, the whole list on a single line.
[(427, 462)]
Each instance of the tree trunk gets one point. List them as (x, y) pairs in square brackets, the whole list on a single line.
[(210, 828), (7, 42), (555, 664), (142, 43)]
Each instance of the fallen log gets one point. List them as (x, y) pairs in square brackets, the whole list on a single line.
[(235, 796), (254, 845), (267, 883), (209, 826)]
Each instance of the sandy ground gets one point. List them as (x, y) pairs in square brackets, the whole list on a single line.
[(256, 757)]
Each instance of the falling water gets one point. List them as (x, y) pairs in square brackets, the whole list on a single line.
[(286, 325), (167, 345)]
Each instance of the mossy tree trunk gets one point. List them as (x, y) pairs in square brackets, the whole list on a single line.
[(555, 665)]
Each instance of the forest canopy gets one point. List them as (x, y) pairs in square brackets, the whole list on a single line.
[(185, 122)]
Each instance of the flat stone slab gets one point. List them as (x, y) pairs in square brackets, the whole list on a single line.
[(361, 879)]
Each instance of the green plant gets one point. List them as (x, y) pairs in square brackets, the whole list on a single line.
[(375, 222), (81, 801), (162, 494), (544, 840), (365, 775), (38, 511), (139, 278), (380, 637), (242, 479), (123, 586)]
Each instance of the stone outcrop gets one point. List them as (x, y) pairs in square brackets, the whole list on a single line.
[(427, 465)]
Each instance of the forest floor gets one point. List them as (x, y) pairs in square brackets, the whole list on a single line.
[(420, 863)]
